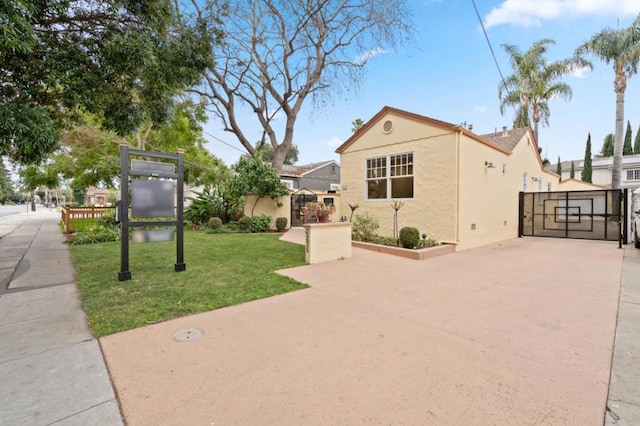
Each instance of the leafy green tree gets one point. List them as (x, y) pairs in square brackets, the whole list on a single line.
[(257, 177), (121, 60), (79, 194), (534, 83), (607, 146), (572, 173), (622, 49), (7, 191), (278, 54), (559, 168), (636, 144), (627, 148), (356, 125), (587, 169)]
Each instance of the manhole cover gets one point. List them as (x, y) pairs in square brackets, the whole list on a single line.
[(188, 335)]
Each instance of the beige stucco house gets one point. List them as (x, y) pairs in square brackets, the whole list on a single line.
[(457, 187)]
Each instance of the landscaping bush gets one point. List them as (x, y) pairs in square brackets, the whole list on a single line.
[(244, 224), (260, 223), (95, 234), (233, 225), (409, 237), (281, 224), (108, 220), (364, 227), (215, 223)]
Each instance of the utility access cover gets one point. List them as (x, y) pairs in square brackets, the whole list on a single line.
[(188, 335)]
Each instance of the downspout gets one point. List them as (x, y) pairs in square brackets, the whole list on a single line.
[(457, 235)]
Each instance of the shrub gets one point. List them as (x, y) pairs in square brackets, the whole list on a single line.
[(215, 223), (364, 227), (409, 237), (260, 223), (108, 220), (95, 234), (244, 224), (233, 226), (281, 223)]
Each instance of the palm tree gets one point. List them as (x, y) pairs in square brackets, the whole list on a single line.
[(622, 48), (534, 83)]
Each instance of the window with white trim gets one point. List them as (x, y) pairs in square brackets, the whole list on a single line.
[(633, 174), (390, 177)]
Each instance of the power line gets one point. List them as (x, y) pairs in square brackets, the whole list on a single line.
[(221, 141), (486, 36)]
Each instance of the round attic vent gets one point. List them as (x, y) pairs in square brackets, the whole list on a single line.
[(387, 127)]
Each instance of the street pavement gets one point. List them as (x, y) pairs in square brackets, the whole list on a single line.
[(51, 368)]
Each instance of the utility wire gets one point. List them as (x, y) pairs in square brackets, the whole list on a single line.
[(493, 54), (221, 141)]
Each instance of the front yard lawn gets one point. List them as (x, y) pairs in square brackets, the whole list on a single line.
[(222, 270)]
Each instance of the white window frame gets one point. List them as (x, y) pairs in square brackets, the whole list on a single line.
[(634, 173), (384, 168)]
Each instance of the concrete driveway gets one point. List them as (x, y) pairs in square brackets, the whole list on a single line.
[(517, 333)]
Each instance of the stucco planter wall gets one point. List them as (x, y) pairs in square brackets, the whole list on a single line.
[(327, 241), (419, 254)]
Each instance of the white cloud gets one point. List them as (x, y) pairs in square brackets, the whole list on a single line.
[(580, 72), (480, 108), (527, 13), (364, 57), (333, 142)]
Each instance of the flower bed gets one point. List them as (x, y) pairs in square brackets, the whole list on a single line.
[(418, 254)]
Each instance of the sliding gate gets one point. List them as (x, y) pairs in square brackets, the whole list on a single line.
[(593, 215)]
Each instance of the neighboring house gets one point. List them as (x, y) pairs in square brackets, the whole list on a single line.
[(457, 187), (324, 176), (601, 171), (578, 185)]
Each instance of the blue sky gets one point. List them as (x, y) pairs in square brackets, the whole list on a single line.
[(448, 74)]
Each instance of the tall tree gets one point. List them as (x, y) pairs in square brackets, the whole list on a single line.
[(534, 83), (265, 152), (119, 59), (559, 168), (607, 146), (587, 169), (572, 172), (279, 53), (622, 49), (627, 147), (636, 144)]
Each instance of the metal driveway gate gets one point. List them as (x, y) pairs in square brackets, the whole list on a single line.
[(593, 215)]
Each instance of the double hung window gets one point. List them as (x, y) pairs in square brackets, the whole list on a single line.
[(390, 177)]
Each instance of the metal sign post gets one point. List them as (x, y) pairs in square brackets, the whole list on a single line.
[(151, 197)]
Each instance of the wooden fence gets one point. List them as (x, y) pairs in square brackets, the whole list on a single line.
[(70, 213)]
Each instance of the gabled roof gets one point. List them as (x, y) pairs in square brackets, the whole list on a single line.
[(303, 169), (428, 121), (596, 186)]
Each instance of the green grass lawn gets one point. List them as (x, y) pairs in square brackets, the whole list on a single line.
[(222, 270)]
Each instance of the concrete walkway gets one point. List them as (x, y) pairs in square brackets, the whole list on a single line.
[(520, 332), (51, 368), (624, 388)]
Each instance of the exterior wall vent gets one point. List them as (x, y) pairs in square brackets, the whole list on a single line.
[(334, 187), (387, 127)]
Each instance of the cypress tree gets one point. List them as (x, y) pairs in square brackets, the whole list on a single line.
[(586, 169), (559, 168), (572, 173), (636, 145), (627, 149), (607, 147)]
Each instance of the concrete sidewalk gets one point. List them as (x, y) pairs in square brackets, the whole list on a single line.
[(623, 407), (51, 368)]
